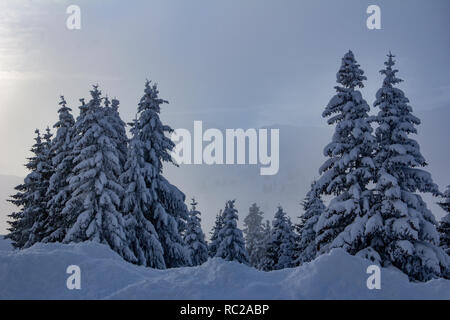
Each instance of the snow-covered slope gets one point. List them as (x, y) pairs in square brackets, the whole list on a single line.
[(5, 245), (40, 273)]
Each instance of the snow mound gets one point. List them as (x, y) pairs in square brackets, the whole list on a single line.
[(5, 245), (40, 273)]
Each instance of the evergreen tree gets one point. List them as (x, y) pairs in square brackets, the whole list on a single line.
[(253, 232), (137, 199), (42, 226), (350, 167), (263, 246), (29, 199), (167, 210), (280, 248), (62, 156), (232, 245), (93, 209), (401, 229), (444, 225), (215, 232), (195, 238), (313, 208)]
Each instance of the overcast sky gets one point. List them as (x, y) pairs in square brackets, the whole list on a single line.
[(229, 63)]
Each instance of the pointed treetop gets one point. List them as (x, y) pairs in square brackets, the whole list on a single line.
[(95, 93), (63, 101), (230, 204), (349, 74), (63, 105), (389, 72), (193, 204), (115, 104), (38, 135), (48, 135), (151, 100)]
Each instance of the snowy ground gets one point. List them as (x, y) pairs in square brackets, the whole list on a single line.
[(40, 273)]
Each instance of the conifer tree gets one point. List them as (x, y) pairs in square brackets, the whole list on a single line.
[(264, 245), (195, 238), (313, 208), (42, 226), (444, 224), (137, 199), (401, 229), (350, 166), (253, 232), (280, 252), (167, 210), (28, 199), (62, 156), (93, 209), (215, 232), (232, 245)]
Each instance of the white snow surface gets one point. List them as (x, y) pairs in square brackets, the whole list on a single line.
[(39, 272)]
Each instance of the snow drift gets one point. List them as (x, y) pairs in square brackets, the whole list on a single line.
[(40, 273)]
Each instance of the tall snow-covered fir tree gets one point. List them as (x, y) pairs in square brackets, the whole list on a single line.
[(350, 166), (43, 225), (232, 245), (94, 207), (444, 224), (215, 232), (264, 245), (280, 249), (195, 238), (313, 208), (62, 157), (401, 229), (167, 210), (30, 198), (135, 206), (253, 232)]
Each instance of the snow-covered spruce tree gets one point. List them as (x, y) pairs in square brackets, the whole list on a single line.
[(401, 229), (93, 209), (58, 191), (29, 198), (350, 167), (444, 224), (195, 238), (280, 251), (313, 208), (118, 127), (232, 245), (137, 199), (253, 232), (284, 232), (167, 210), (215, 232), (265, 261), (42, 226)]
